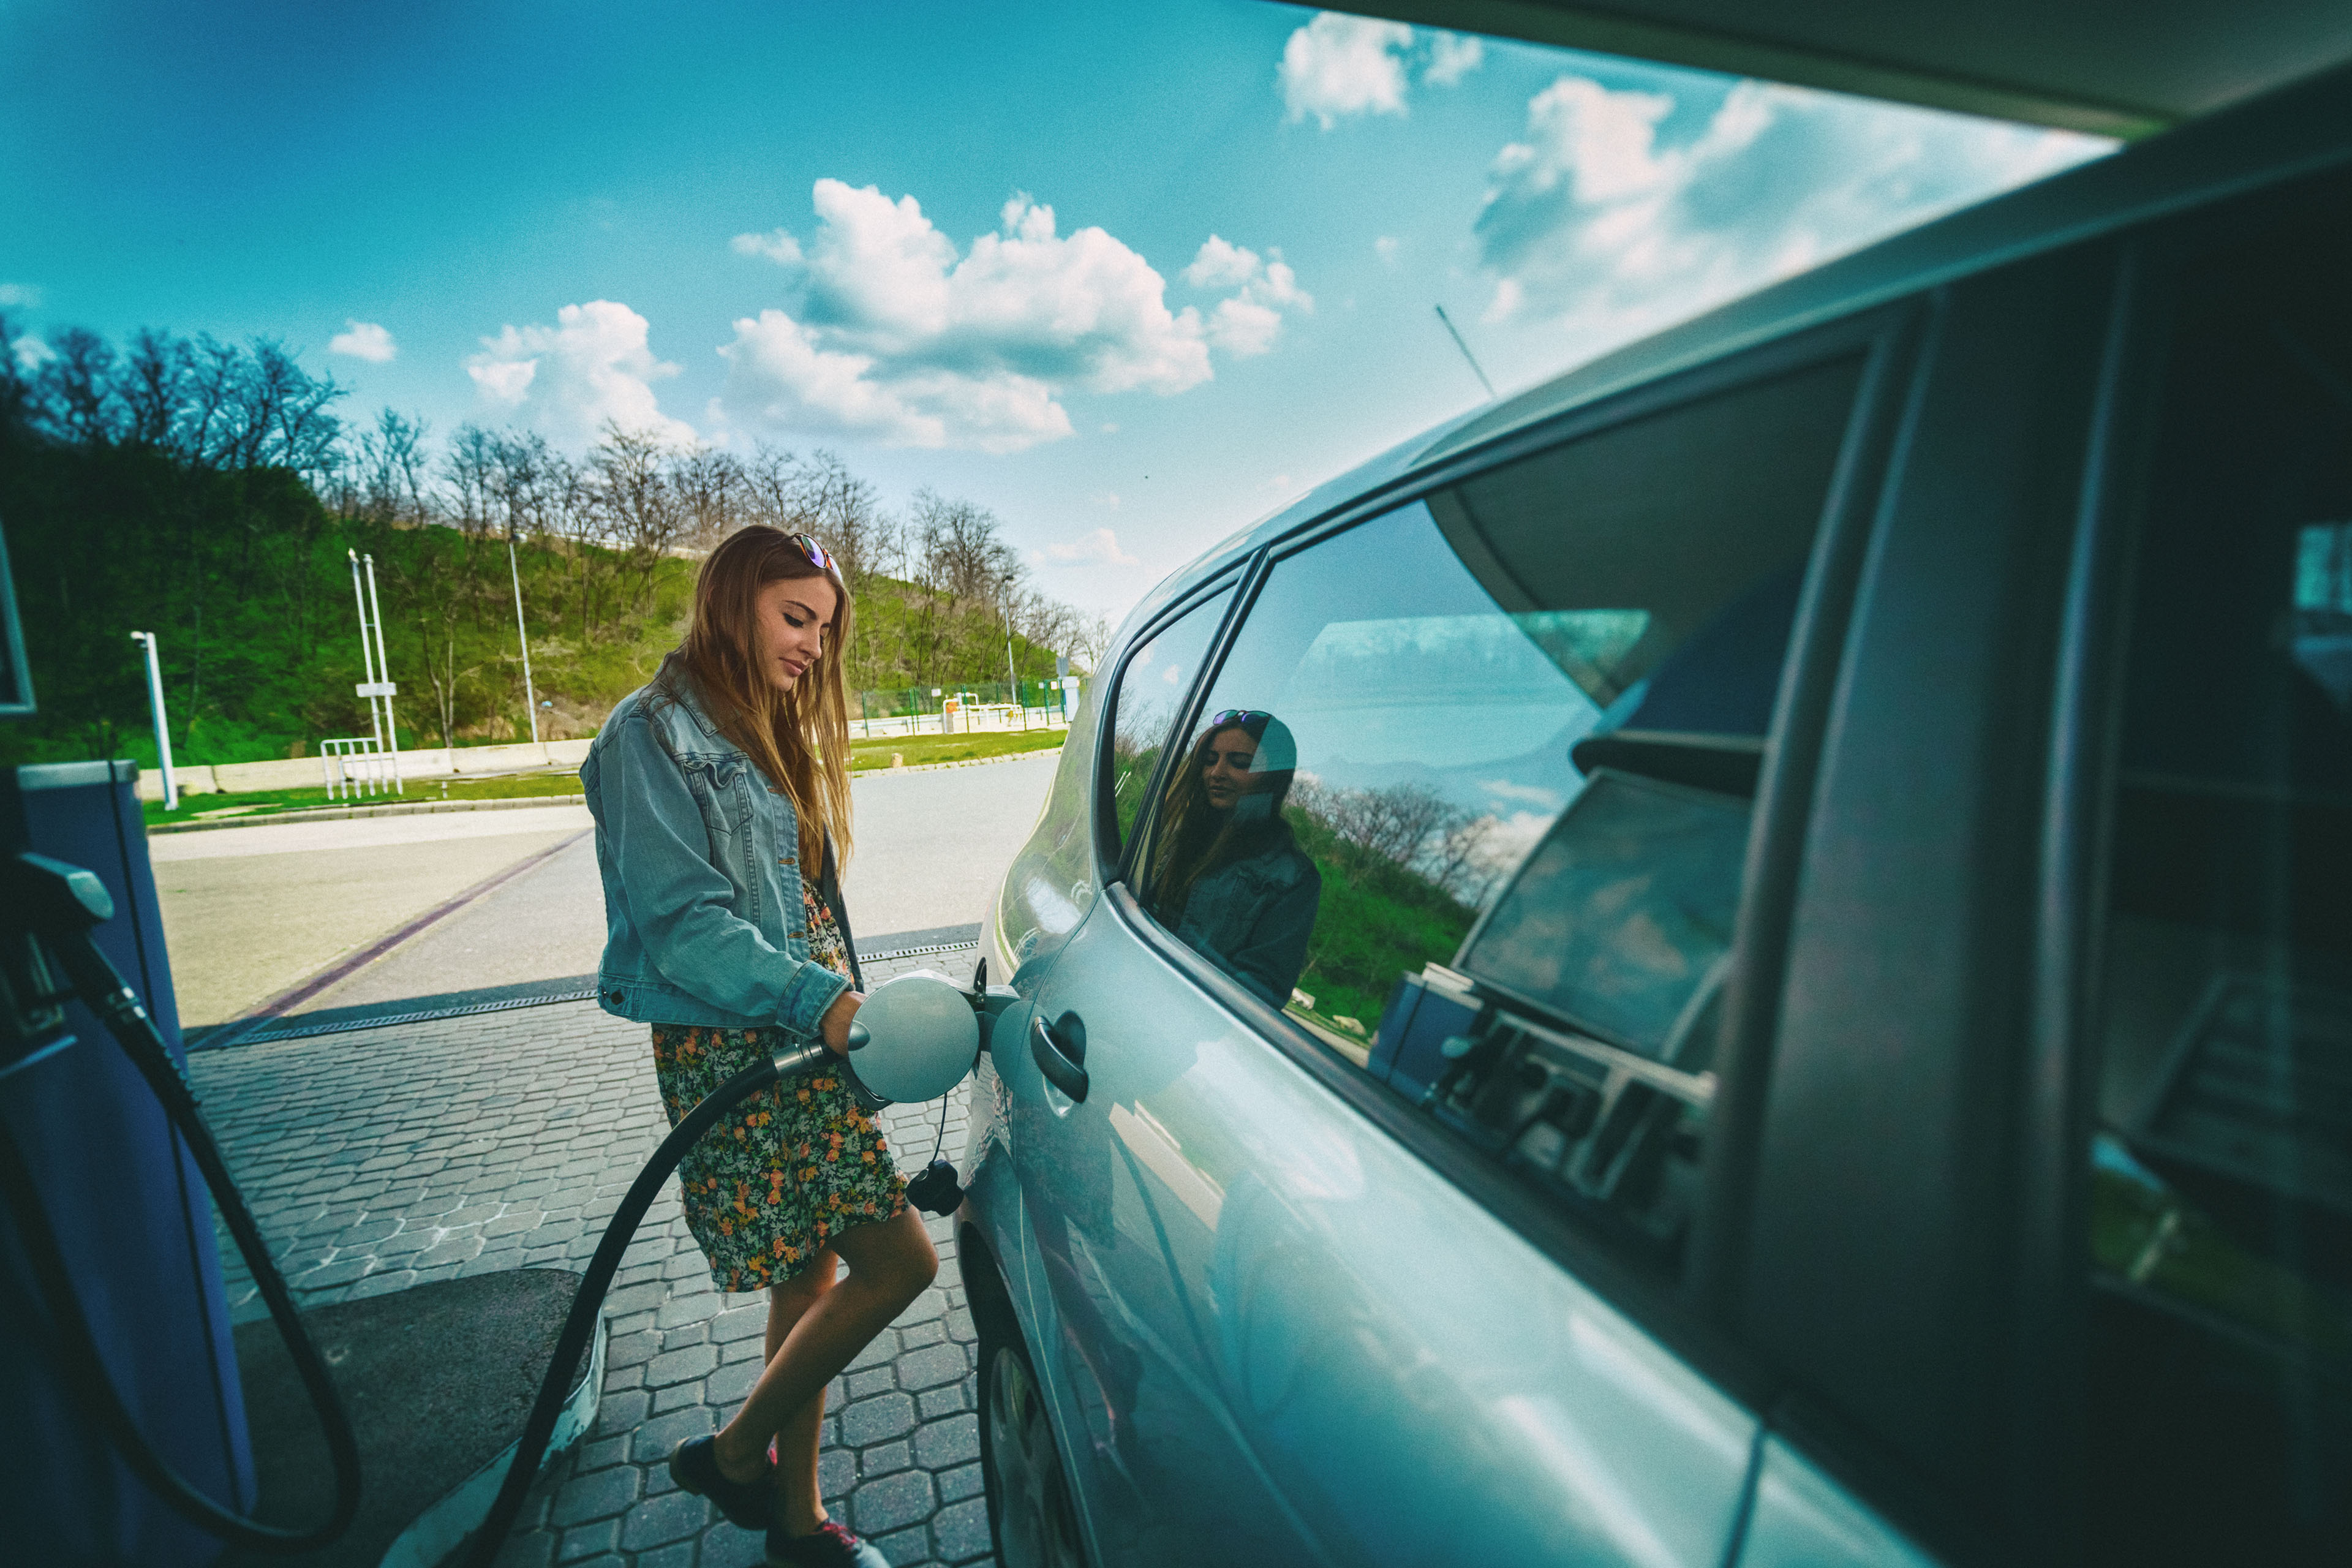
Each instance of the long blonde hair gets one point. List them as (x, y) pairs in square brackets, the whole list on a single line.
[(800, 737)]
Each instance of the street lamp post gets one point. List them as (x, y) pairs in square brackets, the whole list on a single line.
[(522, 637), (1012, 678), (162, 730)]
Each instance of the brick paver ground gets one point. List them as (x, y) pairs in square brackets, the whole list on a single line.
[(380, 1159)]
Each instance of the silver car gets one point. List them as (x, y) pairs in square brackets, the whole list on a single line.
[(1743, 959)]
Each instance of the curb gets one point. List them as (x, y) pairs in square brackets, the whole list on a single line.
[(425, 807), (393, 808), (967, 763)]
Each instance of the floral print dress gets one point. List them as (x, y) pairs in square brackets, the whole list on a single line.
[(788, 1169)]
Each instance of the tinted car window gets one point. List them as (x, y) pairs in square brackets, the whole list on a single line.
[(2221, 1243), (1152, 686), (1469, 796)]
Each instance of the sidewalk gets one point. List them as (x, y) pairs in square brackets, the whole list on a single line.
[(378, 1159)]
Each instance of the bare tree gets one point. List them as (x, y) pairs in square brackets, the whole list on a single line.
[(152, 388), (75, 387), (639, 501), (392, 473), (712, 494), (470, 480)]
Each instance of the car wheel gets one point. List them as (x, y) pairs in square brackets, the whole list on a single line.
[(1030, 1516)]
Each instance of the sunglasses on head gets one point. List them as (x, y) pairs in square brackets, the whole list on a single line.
[(1235, 716), (819, 557)]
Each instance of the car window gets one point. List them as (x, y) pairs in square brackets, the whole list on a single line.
[(1469, 796), (1152, 686), (2221, 1167)]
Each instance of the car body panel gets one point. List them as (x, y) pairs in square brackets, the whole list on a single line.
[(1282, 1338), (1801, 1519)]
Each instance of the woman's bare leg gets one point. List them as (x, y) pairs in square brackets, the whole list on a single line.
[(799, 1506), (891, 1262)]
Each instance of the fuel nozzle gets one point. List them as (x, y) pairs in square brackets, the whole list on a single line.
[(58, 906)]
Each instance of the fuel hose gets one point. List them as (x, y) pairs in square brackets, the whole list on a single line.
[(540, 1426), (102, 990)]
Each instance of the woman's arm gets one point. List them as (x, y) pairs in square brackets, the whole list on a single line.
[(677, 900)]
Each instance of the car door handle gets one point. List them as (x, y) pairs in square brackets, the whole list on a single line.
[(1059, 1048)]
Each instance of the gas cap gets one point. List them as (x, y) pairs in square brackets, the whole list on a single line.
[(921, 1038)]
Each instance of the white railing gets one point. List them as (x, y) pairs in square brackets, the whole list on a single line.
[(994, 715), (357, 764)]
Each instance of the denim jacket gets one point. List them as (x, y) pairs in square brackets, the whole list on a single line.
[(1252, 919), (699, 854)]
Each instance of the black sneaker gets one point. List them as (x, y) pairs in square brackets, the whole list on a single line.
[(831, 1547), (694, 1466)]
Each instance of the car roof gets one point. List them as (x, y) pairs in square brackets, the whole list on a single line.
[(2301, 130), (2089, 65)]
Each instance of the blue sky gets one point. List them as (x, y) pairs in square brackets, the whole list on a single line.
[(1129, 276)]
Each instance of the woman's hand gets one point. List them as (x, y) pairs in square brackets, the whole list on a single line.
[(834, 1028)]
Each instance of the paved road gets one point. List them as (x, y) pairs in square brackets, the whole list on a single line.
[(930, 845), (250, 911), (390, 1157)]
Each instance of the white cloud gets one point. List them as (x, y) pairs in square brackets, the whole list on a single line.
[(31, 353), (897, 337), (1338, 65), (364, 339), (1243, 326), (1220, 265), (777, 246), (1591, 221), (570, 379), (1248, 322), (1452, 56), (1107, 498), (1097, 548), (25, 295), (1385, 248)]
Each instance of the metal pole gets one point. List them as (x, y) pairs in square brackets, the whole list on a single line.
[(530, 697), (162, 730), (367, 655), (383, 673), (1466, 354), (1010, 675), (366, 688)]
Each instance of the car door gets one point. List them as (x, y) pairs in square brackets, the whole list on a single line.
[(1310, 1295)]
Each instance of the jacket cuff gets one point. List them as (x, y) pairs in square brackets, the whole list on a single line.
[(804, 1001)]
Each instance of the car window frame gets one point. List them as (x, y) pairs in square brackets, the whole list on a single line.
[(1111, 868), (1970, 1522), (1887, 337), (2058, 1113)]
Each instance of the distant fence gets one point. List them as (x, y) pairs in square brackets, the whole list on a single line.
[(980, 705)]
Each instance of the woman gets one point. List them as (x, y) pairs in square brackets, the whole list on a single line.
[(721, 796), (1228, 877)]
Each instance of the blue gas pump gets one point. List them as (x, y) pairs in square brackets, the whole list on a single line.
[(132, 1219)]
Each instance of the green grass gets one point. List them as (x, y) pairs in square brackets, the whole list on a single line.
[(262, 803), (867, 755)]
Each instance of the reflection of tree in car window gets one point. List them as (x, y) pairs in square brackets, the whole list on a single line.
[(1228, 877)]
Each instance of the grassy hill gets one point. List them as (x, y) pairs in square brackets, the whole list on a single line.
[(247, 580)]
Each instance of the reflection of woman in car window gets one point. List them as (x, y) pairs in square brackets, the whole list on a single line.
[(1228, 877)]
